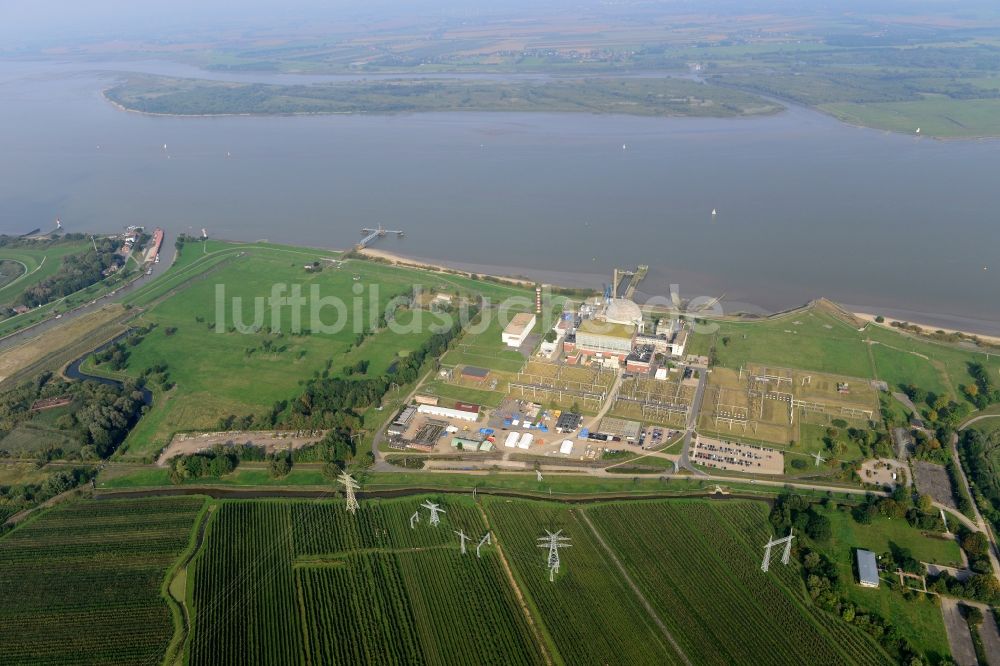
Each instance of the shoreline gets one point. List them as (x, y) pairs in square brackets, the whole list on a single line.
[(400, 260), (927, 329)]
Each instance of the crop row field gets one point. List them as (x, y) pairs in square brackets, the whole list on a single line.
[(307, 581), (371, 588), (81, 583), (273, 581)]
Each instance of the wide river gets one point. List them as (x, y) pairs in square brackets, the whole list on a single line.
[(807, 206)]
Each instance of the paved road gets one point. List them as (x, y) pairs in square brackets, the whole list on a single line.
[(990, 634), (606, 407), (980, 524), (981, 417), (963, 652), (692, 422), (168, 253)]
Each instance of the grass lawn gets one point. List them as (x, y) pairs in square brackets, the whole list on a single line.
[(877, 537), (37, 264), (900, 368), (219, 370), (485, 349), (229, 372), (817, 340), (919, 620), (952, 362), (935, 115), (812, 340)]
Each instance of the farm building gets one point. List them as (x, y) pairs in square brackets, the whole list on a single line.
[(518, 329), (867, 568), (448, 413), (604, 338), (474, 373)]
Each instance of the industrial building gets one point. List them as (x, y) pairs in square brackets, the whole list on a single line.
[(568, 422), (399, 425), (621, 428), (518, 329), (597, 338), (448, 413), (640, 360), (561, 329), (867, 568), (474, 373), (622, 311)]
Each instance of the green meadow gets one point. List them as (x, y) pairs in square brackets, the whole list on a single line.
[(227, 351), (36, 265), (817, 340)]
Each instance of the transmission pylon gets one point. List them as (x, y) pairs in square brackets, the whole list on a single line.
[(414, 519), (435, 510), (819, 458), (463, 538), (488, 539), (553, 541), (350, 485), (538, 474), (777, 542)]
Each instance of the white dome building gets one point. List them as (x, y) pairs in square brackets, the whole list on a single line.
[(623, 311)]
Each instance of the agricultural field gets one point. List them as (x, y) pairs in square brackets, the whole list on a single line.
[(690, 560), (82, 583), (362, 584), (305, 581), (777, 624)]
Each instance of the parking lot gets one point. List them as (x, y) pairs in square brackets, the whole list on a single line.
[(735, 457)]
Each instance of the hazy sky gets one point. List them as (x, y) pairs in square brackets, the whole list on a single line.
[(36, 23)]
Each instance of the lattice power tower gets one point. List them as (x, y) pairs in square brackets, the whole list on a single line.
[(350, 485), (777, 542), (435, 510), (553, 541)]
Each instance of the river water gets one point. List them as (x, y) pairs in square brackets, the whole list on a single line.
[(807, 206)]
